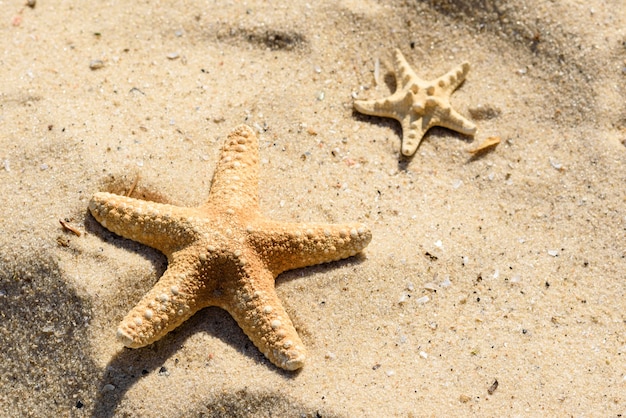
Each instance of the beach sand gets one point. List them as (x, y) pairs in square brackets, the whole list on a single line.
[(506, 266)]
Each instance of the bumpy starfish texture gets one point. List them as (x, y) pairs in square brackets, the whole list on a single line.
[(419, 105), (224, 253)]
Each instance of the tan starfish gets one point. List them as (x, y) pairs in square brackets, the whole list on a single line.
[(224, 253), (419, 105)]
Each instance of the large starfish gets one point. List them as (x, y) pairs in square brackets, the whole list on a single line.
[(419, 105), (224, 253)]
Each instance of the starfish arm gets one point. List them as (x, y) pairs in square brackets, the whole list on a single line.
[(172, 300), (393, 106), (451, 80), (154, 224), (236, 179), (402, 70), (413, 131), (260, 314), (453, 120), (286, 246)]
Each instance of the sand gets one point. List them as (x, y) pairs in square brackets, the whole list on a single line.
[(507, 266)]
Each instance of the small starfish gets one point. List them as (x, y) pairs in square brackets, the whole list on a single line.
[(419, 105), (224, 253)]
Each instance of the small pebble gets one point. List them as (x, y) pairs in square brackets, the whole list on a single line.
[(422, 300), (484, 112), (555, 164), (172, 55), (108, 388), (493, 387), (423, 354), (553, 253), (96, 64), (430, 286)]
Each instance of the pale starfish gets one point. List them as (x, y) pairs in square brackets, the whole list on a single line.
[(419, 105), (224, 253)]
